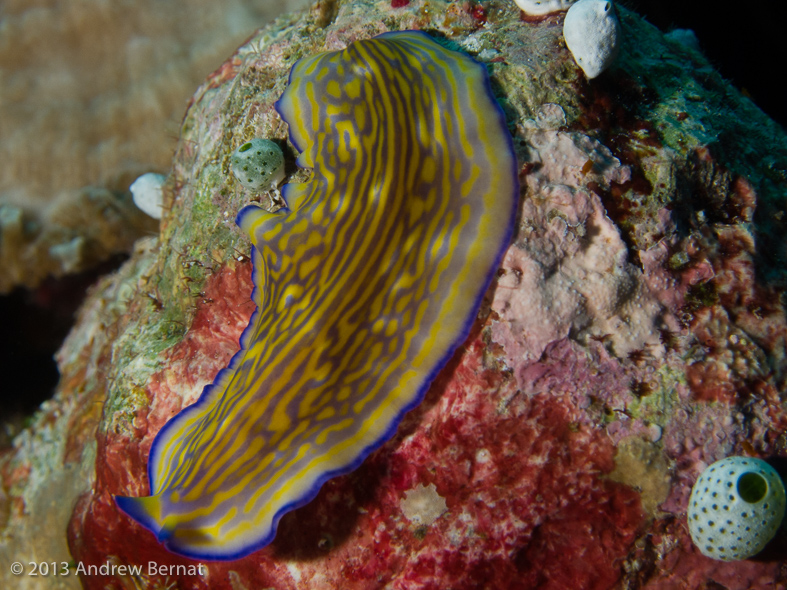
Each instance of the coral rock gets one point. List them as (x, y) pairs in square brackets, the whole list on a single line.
[(634, 335)]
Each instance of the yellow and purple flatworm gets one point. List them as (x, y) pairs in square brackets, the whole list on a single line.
[(365, 284)]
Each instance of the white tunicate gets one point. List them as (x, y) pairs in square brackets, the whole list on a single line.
[(146, 191), (539, 7), (258, 164), (735, 508), (592, 34)]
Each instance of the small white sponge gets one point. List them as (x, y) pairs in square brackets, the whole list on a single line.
[(539, 7), (592, 34), (146, 191), (258, 164), (735, 508)]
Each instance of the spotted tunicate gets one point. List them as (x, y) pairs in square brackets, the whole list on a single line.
[(735, 508), (258, 164)]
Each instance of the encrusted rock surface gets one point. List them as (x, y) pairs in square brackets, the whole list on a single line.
[(636, 333)]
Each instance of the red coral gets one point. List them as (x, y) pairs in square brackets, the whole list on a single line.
[(524, 486), (477, 11), (710, 381), (97, 528)]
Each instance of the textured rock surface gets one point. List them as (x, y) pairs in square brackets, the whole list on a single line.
[(91, 97), (635, 334)]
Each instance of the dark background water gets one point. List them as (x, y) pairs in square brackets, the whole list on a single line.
[(745, 41)]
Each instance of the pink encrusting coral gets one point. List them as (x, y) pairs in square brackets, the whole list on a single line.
[(635, 333), (568, 270)]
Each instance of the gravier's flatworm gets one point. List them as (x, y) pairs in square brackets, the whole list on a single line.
[(366, 283)]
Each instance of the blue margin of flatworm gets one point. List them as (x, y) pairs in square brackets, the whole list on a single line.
[(388, 434)]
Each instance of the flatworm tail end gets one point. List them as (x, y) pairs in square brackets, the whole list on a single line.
[(150, 513), (146, 511)]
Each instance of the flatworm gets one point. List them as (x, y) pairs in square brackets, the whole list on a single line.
[(365, 284)]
